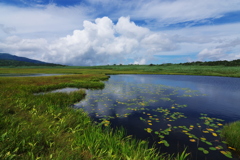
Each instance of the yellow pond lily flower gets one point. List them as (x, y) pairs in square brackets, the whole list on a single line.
[(202, 138), (217, 147), (210, 129), (232, 148), (214, 134), (223, 152), (149, 130)]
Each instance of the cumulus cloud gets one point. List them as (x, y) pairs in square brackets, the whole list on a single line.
[(224, 51), (103, 42), (99, 42)]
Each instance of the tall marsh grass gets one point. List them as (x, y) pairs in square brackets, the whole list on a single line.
[(231, 133)]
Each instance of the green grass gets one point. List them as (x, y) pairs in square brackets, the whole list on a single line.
[(227, 71), (230, 133), (45, 127)]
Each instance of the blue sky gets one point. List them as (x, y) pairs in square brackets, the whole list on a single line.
[(98, 32)]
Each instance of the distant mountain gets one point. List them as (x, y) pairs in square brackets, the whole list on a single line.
[(7, 59)]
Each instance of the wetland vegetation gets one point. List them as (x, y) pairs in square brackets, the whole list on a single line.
[(45, 127)]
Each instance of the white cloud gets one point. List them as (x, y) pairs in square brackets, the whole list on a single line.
[(217, 54), (130, 29), (33, 48), (165, 12), (228, 50), (103, 42), (48, 19), (141, 61), (6, 30), (214, 54), (186, 10), (100, 42)]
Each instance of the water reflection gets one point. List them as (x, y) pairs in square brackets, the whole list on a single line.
[(168, 110), (62, 90)]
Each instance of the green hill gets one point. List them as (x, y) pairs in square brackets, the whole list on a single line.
[(12, 60)]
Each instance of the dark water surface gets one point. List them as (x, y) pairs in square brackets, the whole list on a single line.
[(171, 111)]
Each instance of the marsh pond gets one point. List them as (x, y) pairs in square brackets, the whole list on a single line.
[(172, 112)]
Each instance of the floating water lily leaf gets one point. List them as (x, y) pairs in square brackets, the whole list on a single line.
[(205, 151), (212, 148), (227, 154), (161, 136), (200, 148), (209, 143), (156, 132), (164, 142)]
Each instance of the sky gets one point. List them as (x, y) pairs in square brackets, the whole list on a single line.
[(101, 32)]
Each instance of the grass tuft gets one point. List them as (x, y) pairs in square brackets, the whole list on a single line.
[(230, 133)]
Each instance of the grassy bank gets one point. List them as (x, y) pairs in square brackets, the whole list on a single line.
[(45, 127), (230, 133)]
